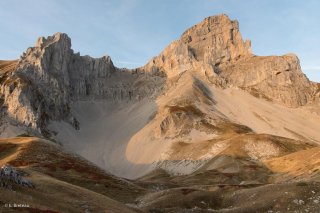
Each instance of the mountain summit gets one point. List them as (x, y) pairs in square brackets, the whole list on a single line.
[(215, 48), (203, 47)]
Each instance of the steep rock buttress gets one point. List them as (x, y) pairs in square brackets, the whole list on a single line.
[(216, 49), (50, 76)]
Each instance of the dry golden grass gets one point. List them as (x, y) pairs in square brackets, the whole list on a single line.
[(304, 164), (64, 182)]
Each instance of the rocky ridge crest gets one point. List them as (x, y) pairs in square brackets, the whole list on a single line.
[(49, 77), (215, 48)]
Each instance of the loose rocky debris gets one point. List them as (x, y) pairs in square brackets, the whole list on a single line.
[(9, 176)]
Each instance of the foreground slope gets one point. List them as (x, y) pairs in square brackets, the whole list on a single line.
[(63, 182), (231, 182)]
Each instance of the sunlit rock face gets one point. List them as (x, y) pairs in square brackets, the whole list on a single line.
[(215, 48), (203, 47), (275, 78)]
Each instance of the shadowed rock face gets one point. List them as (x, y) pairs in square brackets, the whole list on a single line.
[(50, 76), (44, 83)]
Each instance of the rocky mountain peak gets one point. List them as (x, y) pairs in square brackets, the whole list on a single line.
[(214, 48), (55, 39), (49, 77), (214, 41)]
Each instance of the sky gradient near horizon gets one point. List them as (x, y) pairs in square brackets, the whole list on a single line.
[(133, 31)]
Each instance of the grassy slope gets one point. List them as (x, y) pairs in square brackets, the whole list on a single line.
[(244, 177), (63, 182)]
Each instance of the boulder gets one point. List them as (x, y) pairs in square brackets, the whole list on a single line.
[(9, 176)]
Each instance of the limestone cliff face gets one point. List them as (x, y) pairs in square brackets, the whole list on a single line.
[(276, 78), (203, 47), (49, 77), (216, 40), (216, 49)]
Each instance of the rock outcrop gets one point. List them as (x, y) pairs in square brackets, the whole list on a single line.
[(9, 176), (50, 76), (203, 47), (216, 49), (276, 78)]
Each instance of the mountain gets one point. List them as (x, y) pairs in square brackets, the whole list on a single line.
[(205, 123)]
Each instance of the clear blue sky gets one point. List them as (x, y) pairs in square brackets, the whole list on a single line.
[(133, 31)]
